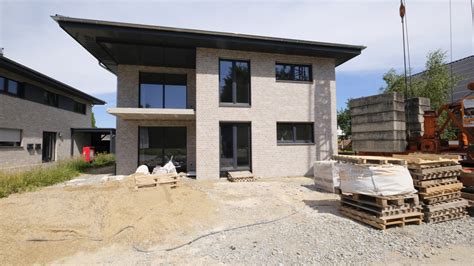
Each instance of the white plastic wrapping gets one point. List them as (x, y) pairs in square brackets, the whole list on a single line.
[(326, 175), (380, 180)]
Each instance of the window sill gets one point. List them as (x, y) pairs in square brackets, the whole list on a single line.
[(238, 105), (11, 147), (294, 81), (296, 144)]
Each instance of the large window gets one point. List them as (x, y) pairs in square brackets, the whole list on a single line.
[(39, 95), (293, 72), (234, 82), (158, 144), (10, 137), (295, 133), (163, 90)]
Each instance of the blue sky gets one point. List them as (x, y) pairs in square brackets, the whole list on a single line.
[(32, 38)]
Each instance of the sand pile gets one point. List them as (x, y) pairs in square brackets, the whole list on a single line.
[(42, 226)]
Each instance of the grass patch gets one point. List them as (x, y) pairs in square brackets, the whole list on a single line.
[(49, 175)]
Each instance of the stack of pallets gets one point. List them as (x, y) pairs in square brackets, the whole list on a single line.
[(240, 176), (382, 211), (436, 180), (379, 211)]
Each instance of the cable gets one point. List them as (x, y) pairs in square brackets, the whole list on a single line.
[(451, 52), (408, 50), (215, 233)]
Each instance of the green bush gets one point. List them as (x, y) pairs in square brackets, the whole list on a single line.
[(49, 174), (103, 159)]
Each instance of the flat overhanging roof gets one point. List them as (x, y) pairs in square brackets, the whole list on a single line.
[(153, 114), (25, 71), (114, 43)]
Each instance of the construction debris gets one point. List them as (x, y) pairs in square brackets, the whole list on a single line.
[(240, 176), (436, 179)]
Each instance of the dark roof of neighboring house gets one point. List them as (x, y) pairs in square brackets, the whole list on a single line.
[(39, 77), (114, 43), (464, 68)]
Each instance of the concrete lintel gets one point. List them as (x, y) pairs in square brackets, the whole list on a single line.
[(152, 114)]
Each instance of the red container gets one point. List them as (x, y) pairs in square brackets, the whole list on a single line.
[(88, 153)]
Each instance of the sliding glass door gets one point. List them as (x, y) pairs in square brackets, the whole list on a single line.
[(235, 147), (158, 144)]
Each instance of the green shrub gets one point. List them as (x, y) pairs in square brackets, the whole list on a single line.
[(49, 174), (103, 159)]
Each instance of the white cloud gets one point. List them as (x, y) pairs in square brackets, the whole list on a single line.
[(31, 37)]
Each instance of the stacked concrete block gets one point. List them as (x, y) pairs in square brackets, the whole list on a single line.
[(414, 110), (378, 123)]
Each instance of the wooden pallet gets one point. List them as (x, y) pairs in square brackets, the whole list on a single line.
[(142, 181), (382, 201), (425, 196), (381, 212), (368, 159), (240, 176), (434, 173), (427, 183), (440, 206), (382, 222), (445, 212), (440, 187), (441, 197), (447, 217), (431, 164), (416, 157)]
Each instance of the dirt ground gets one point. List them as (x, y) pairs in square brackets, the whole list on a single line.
[(214, 222)]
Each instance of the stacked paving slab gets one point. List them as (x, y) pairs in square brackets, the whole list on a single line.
[(438, 187), (414, 111), (380, 212), (378, 123)]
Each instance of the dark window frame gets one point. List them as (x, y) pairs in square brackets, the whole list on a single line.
[(44, 99), (222, 170), (5, 85), (163, 148), (234, 102), (293, 130), (310, 69), (163, 89)]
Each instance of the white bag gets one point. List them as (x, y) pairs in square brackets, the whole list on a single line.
[(169, 167), (326, 175), (142, 169), (380, 180)]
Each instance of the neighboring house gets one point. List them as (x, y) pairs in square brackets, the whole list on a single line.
[(37, 115), (465, 69), (217, 102)]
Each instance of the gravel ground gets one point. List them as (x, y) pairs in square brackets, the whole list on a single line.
[(287, 221)]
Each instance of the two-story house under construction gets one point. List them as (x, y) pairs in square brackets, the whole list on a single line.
[(215, 101)]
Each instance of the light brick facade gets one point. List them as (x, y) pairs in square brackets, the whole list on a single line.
[(271, 102)]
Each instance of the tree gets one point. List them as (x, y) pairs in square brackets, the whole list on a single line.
[(344, 120), (434, 83), (92, 119)]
